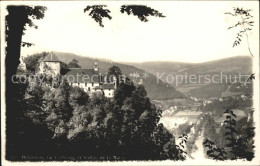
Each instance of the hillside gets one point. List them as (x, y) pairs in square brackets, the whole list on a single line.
[(161, 67), (233, 65), (201, 88), (155, 90)]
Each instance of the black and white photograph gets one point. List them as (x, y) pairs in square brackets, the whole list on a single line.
[(130, 83)]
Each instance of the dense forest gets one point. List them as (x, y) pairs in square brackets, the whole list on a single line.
[(60, 120)]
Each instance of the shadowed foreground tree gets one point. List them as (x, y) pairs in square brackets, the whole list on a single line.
[(142, 12), (98, 12), (18, 18), (16, 21)]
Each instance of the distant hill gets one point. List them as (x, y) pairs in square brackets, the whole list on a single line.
[(156, 89), (242, 64), (233, 65), (228, 66), (161, 66)]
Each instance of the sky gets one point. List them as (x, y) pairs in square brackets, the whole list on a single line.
[(190, 32)]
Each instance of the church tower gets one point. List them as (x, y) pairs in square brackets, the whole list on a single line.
[(96, 69), (50, 65)]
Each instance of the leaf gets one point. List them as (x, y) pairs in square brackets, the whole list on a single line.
[(205, 142), (233, 122), (206, 145), (211, 155), (233, 114), (23, 44), (230, 145), (226, 121), (229, 139), (209, 152), (98, 12), (227, 133), (141, 11), (228, 127)]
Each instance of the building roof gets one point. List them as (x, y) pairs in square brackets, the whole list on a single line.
[(76, 75), (98, 87), (108, 86), (51, 57)]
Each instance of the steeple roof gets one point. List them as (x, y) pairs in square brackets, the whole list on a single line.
[(51, 57)]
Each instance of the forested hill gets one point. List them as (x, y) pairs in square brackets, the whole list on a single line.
[(156, 90), (232, 65), (229, 66)]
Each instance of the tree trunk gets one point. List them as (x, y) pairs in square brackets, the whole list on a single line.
[(15, 22)]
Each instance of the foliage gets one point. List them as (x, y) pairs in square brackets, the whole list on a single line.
[(29, 13), (78, 97), (18, 18), (209, 90), (141, 11), (233, 102), (64, 65), (124, 91), (241, 87), (26, 44), (32, 61), (114, 71), (73, 64), (245, 128), (98, 127), (245, 24), (98, 12), (234, 141), (213, 151), (181, 147)]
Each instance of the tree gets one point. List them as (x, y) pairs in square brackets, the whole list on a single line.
[(234, 141), (64, 65), (58, 110), (32, 61), (213, 151), (114, 72), (73, 64), (78, 97), (16, 20), (98, 12), (141, 11)]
